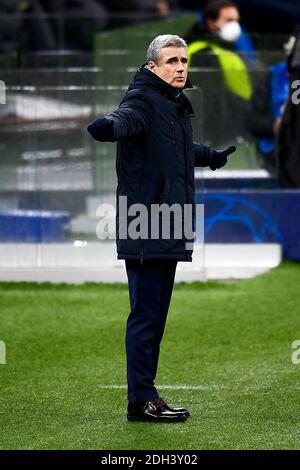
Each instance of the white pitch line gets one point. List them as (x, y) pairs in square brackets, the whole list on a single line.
[(161, 387), (199, 388)]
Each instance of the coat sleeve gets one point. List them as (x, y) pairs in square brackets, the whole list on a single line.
[(202, 155), (133, 117)]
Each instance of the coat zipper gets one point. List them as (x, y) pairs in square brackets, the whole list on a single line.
[(173, 132), (142, 257), (185, 160), (186, 168)]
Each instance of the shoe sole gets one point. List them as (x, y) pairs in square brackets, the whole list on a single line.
[(157, 420)]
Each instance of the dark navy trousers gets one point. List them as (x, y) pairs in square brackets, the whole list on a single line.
[(150, 289)]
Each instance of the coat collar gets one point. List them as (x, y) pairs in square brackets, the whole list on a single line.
[(144, 77)]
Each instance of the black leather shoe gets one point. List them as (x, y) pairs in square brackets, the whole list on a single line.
[(176, 410), (154, 410)]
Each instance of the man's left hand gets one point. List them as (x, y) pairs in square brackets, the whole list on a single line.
[(218, 158)]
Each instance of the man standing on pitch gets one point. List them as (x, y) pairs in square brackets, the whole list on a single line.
[(155, 163)]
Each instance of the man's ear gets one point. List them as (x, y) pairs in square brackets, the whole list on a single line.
[(152, 65)]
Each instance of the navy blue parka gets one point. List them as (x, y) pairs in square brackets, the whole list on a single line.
[(155, 160)]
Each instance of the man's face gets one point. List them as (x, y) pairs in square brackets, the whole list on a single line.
[(172, 66), (227, 14)]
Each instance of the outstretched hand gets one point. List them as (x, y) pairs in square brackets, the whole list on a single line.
[(101, 129), (219, 157)]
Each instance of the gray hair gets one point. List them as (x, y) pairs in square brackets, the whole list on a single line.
[(161, 41)]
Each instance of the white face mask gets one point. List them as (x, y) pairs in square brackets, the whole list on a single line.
[(230, 31)]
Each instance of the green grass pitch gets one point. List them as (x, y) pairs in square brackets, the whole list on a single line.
[(229, 344)]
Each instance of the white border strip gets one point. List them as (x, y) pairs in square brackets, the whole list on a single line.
[(228, 174)]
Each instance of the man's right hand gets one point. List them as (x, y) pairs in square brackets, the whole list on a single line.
[(102, 130)]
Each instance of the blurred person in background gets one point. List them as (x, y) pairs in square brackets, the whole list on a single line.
[(74, 22), (289, 131), (222, 73), (11, 25), (40, 35), (24, 26), (137, 11), (40, 25), (268, 102), (259, 16), (213, 44)]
